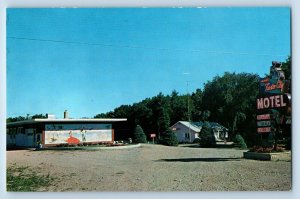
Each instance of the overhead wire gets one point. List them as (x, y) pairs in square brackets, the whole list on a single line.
[(142, 47)]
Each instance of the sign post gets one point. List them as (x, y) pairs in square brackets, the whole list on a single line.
[(153, 135), (272, 103)]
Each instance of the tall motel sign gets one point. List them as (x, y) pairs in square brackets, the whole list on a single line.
[(273, 105)]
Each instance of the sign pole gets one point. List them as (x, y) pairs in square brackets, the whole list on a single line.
[(153, 135)]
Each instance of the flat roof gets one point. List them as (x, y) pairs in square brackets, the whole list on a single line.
[(46, 120)]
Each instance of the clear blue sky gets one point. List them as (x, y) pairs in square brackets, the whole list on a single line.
[(91, 61)]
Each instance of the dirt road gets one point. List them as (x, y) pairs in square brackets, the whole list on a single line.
[(155, 168)]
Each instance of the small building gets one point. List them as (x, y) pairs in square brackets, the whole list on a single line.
[(184, 130), (55, 132)]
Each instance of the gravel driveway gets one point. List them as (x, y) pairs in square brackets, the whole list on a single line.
[(155, 168)]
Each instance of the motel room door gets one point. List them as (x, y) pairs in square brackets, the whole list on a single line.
[(30, 138)]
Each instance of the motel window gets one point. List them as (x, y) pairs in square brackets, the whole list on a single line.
[(20, 130), (38, 138)]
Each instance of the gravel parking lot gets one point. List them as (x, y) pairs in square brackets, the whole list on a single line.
[(155, 168)]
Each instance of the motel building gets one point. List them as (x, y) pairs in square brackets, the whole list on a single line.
[(51, 131)]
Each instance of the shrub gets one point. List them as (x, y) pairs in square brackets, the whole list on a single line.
[(239, 140), (207, 139), (260, 149), (139, 135), (197, 140), (169, 138), (288, 144)]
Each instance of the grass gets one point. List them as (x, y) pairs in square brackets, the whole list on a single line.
[(24, 179)]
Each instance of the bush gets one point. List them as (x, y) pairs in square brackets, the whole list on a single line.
[(288, 144), (169, 138), (239, 140), (260, 149), (197, 140), (207, 139), (139, 135)]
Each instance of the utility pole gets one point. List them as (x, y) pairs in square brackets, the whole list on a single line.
[(188, 106), (189, 115)]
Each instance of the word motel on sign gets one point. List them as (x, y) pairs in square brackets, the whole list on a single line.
[(270, 102)]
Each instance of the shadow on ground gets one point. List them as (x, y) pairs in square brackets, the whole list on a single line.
[(217, 146), (200, 160)]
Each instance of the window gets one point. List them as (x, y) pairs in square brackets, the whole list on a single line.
[(20, 130), (187, 135), (38, 138)]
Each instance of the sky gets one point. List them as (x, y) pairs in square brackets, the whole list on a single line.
[(90, 61)]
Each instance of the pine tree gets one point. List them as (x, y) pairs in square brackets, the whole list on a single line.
[(206, 136), (139, 135), (169, 138), (239, 140)]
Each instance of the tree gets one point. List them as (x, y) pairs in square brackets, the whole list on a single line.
[(231, 99), (286, 67), (196, 100), (139, 135), (169, 138), (27, 117), (207, 139), (205, 115), (163, 121), (15, 119), (178, 108), (239, 140), (38, 116)]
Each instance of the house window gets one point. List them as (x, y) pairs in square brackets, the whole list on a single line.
[(187, 135)]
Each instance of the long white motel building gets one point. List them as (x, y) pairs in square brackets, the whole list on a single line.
[(56, 132)]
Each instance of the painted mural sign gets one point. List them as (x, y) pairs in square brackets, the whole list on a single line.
[(77, 133)]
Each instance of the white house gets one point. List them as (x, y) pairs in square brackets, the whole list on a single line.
[(184, 130)]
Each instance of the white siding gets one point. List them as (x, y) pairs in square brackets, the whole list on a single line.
[(181, 130)]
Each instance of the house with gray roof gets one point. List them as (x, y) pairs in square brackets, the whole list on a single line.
[(187, 132)]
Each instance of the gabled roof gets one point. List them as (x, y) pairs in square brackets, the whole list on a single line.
[(212, 124), (196, 126), (189, 125)]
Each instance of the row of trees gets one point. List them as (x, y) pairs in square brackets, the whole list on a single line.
[(229, 99), (21, 118)]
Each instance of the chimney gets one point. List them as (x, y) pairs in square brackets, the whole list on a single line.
[(66, 114)]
